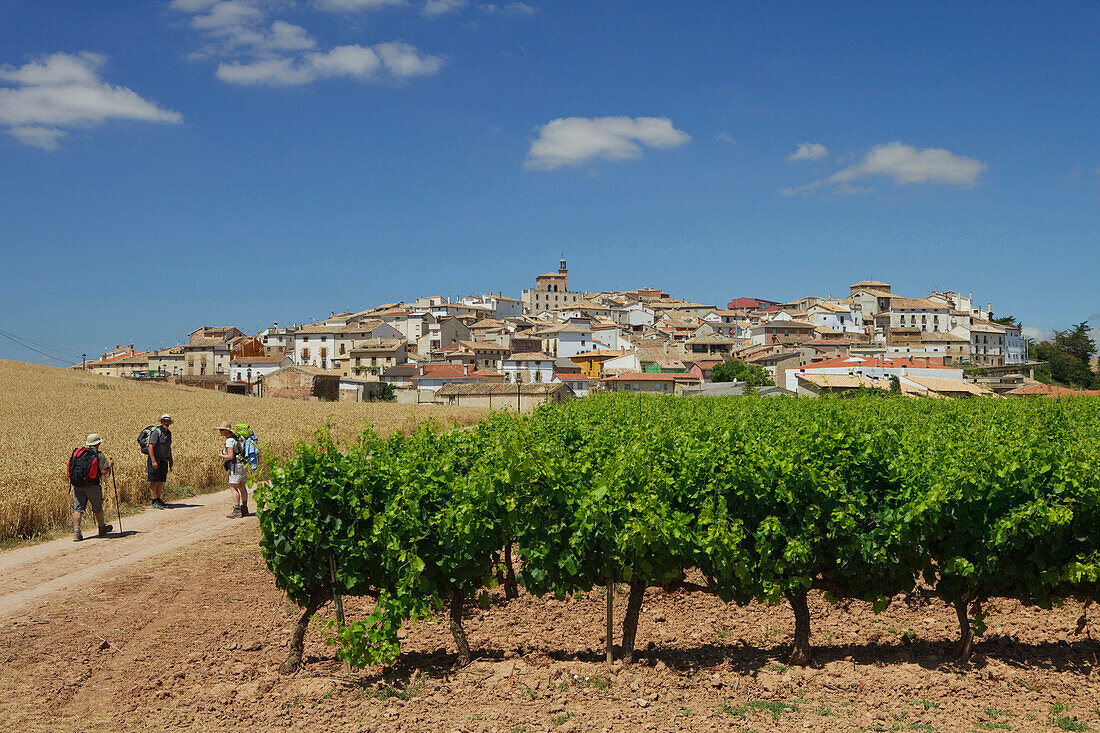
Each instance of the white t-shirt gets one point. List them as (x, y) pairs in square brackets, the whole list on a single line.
[(238, 467), (232, 445)]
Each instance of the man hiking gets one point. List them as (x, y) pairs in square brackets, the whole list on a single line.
[(86, 467), (232, 455), (160, 459)]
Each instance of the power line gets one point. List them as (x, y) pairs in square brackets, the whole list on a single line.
[(54, 349), (19, 342)]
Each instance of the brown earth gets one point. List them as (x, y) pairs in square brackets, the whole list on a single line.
[(190, 639)]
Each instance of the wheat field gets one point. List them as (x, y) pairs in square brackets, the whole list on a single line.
[(46, 412)]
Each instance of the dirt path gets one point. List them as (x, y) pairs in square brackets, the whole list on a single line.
[(38, 575)]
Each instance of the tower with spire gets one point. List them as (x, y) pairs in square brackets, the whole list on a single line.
[(551, 291)]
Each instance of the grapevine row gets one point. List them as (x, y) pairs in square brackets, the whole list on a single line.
[(749, 498)]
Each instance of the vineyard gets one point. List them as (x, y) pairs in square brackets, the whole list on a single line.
[(46, 412), (747, 499)]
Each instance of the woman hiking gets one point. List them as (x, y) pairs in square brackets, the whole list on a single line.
[(232, 455)]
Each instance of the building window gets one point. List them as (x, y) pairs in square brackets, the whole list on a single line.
[(341, 349), (305, 354)]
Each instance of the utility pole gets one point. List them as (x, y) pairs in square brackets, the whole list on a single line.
[(84, 365)]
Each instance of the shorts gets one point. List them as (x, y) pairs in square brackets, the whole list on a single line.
[(160, 473), (237, 473), (88, 492)]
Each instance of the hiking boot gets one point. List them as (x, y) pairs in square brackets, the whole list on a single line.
[(237, 513), (159, 504), (77, 536), (104, 529), (244, 510)]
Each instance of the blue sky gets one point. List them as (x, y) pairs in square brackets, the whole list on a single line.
[(165, 165)]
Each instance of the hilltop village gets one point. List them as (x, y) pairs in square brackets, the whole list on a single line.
[(553, 344)]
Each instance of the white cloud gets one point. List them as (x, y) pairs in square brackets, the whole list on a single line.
[(903, 164), (1036, 334), (252, 53), (436, 8), (349, 6), (40, 137), (512, 10), (40, 99), (725, 137), (363, 63), (192, 6), (575, 140), (350, 61), (227, 16), (404, 61), (809, 151)]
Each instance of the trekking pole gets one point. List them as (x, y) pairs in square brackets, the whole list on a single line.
[(117, 507)]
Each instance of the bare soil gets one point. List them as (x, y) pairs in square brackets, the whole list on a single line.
[(190, 639)]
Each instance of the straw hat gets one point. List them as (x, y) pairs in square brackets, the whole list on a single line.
[(225, 426), (93, 440)]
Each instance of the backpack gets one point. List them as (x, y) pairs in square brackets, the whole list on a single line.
[(83, 466), (143, 438), (247, 450)]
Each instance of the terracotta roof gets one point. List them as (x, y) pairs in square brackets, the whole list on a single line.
[(878, 293), (831, 307), (203, 343), (378, 345), (486, 374), (886, 362), (949, 386), (364, 327), (256, 359), (564, 328), (912, 303), (444, 371), (986, 327), (504, 390), (315, 371), (786, 324), (941, 336), (401, 370)]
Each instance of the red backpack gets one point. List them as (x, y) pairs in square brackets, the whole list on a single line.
[(83, 466)]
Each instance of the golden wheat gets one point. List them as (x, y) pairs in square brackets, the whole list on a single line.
[(45, 413)]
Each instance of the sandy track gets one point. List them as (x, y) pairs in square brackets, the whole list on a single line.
[(38, 575)]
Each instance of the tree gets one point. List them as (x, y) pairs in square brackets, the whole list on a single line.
[(1076, 342), (1068, 357), (733, 370)]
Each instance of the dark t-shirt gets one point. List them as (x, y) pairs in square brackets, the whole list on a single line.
[(161, 440)]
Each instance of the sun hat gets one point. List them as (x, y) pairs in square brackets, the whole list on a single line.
[(225, 426), (167, 417), (93, 440)]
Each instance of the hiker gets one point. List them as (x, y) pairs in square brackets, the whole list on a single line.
[(160, 459), (232, 455), (86, 466)]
